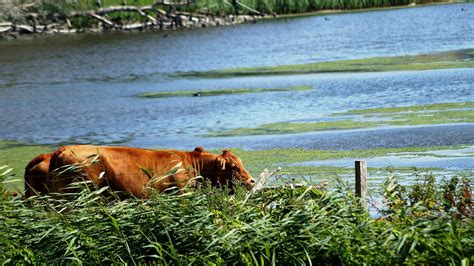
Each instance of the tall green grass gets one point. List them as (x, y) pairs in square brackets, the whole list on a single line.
[(211, 226), (55, 7), (54, 11)]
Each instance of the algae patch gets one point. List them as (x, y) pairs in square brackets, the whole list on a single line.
[(197, 93), (17, 155), (440, 113), (256, 160), (415, 108), (443, 60), (290, 128), (315, 166)]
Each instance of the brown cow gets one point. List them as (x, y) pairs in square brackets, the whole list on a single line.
[(130, 169), (36, 175)]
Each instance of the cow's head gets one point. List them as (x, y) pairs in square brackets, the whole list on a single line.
[(230, 168)]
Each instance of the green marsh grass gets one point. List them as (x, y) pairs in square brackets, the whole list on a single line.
[(255, 160), (212, 226), (289, 128), (17, 155), (415, 108), (433, 114), (203, 93), (442, 60)]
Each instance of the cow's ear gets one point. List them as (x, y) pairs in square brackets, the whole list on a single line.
[(225, 152), (199, 149), (220, 160)]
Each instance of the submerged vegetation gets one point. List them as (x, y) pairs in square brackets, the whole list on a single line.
[(440, 113), (291, 128), (420, 224), (415, 108), (187, 93), (443, 60)]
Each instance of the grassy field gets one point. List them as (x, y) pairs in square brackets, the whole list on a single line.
[(444, 60), (204, 93), (433, 114)]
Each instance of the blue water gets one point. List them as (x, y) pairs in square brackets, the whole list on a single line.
[(81, 88)]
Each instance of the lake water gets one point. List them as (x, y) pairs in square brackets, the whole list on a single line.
[(81, 88)]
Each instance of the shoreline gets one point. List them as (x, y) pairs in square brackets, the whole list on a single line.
[(361, 10), (22, 32), (175, 21)]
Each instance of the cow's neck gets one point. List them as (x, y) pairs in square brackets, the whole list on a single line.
[(205, 165)]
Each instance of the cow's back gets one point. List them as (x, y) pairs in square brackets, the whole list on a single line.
[(121, 168)]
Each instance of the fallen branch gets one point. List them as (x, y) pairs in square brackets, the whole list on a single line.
[(25, 6), (135, 26), (168, 3), (25, 28), (263, 178), (251, 9), (191, 15), (246, 7), (102, 19), (112, 9), (5, 29)]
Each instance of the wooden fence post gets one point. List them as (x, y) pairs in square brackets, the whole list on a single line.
[(361, 190)]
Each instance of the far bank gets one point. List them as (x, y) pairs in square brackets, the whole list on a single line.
[(31, 19)]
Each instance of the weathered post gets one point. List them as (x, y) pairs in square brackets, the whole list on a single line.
[(361, 190)]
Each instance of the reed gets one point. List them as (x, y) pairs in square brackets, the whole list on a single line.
[(211, 226), (225, 7)]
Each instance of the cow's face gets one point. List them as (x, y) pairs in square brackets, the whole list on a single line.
[(230, 167)]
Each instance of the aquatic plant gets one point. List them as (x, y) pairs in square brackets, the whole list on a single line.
[(199, 93), (442, 60), (431, 114)]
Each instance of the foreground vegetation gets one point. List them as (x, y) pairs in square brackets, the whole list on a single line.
[(432, 114), (209, 226), (443, 60)]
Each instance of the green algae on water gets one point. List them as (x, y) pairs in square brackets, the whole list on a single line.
[(433, 114), (443, 60), (415, 108), (289, 128), (202, 93)]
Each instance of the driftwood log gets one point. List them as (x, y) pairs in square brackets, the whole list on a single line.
[(266, 174)]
